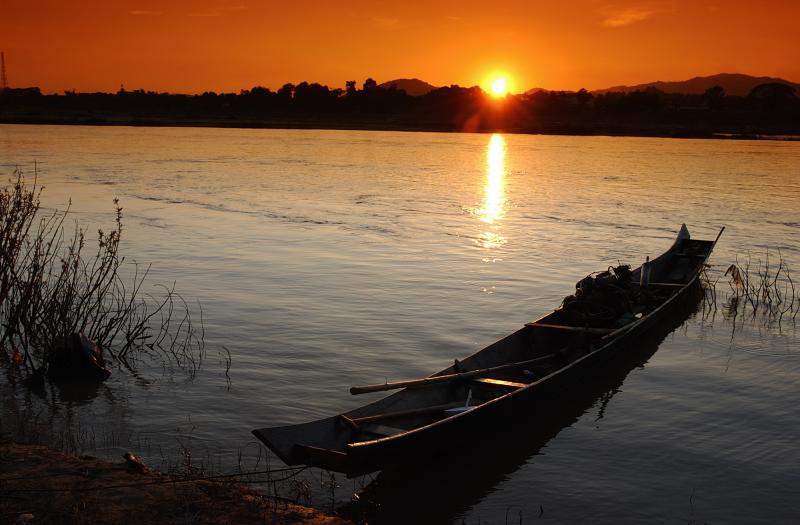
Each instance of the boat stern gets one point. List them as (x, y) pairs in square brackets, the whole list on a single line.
[(321, 443)]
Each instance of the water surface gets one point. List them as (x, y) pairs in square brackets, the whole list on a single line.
[(326, 259)]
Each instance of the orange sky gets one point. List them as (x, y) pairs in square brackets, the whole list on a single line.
[(190, 47)]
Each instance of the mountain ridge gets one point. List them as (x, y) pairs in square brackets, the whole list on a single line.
[(412, 86), (736, 84)]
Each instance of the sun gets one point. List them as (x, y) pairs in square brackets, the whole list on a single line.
[(499, 87)]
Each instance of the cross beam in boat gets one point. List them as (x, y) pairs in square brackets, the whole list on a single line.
[(445, 378), (405, 413), (380, 430)]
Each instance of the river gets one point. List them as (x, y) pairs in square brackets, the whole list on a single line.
[(326, 259)]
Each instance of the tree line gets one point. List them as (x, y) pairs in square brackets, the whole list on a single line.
[(768, 109)]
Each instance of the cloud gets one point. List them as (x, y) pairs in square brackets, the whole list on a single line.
[(218, 11), (385, 21), (207, 13), (627, 16)]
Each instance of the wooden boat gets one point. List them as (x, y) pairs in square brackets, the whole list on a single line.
[(505, 381), (442, 487)]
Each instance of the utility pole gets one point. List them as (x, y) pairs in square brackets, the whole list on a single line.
[(3, 78)]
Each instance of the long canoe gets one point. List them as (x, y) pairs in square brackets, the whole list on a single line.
[(506, 380)]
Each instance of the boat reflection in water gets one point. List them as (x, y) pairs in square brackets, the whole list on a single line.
[(494, 199), (442, 489)]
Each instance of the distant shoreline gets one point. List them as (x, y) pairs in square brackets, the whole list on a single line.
[(561, 130), (769, 111)]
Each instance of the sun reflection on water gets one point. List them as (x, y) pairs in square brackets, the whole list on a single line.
[(494, 201)]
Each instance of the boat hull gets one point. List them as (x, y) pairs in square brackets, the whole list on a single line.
[(471, 429)]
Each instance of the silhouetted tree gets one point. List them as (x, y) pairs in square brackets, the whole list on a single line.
[(350, 87), (259, 91), (714, 97), (583, 97), (370, 84), (286, 91), (312, 97), (774, 97)]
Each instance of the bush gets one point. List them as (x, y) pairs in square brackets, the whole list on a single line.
[(50, 289)]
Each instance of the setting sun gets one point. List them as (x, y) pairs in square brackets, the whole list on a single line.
[(499, 87)]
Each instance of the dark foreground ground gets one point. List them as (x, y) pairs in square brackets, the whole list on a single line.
[(41, 485)]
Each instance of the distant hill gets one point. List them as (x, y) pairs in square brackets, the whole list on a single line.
[(412, 86), (733, 83)]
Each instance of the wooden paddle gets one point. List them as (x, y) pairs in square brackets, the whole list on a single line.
[(445, 378)]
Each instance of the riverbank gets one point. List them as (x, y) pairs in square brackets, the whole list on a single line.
[(42, 485)]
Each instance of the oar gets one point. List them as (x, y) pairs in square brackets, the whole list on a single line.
[(445, 378)]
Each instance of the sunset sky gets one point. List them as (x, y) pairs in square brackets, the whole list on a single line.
[(203, 45)]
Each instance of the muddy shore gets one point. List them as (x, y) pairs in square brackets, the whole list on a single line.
[(42, 485)]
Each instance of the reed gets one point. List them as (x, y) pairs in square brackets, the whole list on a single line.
[(762, 289), (52, 285)]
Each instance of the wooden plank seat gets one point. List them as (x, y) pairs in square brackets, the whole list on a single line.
[(499, 383)]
